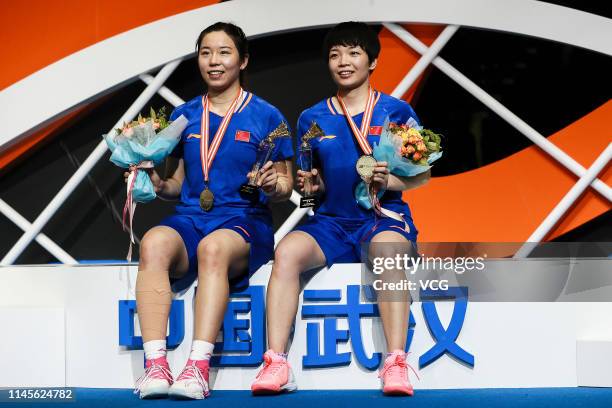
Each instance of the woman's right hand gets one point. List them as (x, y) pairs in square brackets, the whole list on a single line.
[(158, 183), (310, 183)]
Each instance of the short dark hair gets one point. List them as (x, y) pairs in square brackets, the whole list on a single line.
[(235, 33), (353, 34)]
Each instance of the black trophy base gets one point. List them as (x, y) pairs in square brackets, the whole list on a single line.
[(249, 192), (308, 202)]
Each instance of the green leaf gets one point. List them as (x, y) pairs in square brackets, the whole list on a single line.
[(163, 123)]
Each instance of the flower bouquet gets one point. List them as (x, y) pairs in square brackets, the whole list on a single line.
[(142, 144), (408, 150)]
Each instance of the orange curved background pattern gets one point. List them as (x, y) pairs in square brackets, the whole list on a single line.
[(43, 40), (396, 58), (37, 39), (502, 202), (507, 200), (36, 140)]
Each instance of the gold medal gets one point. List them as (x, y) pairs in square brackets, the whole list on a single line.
[(207, 199), (208, 153), (365, 166), (366, 163)]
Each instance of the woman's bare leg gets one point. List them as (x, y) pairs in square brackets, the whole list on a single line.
[(296, 253)]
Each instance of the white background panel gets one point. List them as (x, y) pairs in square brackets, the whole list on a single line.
[(514, 344), (32, 346)]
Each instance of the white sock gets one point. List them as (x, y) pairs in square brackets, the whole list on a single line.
[(201, 350), (154, 349), (282, 355)]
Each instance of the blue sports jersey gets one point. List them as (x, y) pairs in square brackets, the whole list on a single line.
[(336, 154), (253, 120)]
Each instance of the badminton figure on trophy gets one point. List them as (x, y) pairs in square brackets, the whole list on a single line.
[(249, 190), (305, 162)]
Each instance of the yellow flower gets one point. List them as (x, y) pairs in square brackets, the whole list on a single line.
[(415, 133)]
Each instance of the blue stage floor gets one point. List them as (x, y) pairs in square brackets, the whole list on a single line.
[(511, 398)]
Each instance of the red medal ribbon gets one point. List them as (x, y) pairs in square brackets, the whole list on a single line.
[(361, 134), (207, 154)]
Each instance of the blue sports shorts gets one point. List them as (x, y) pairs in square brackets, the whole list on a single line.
[(255, 229), (341, 239)]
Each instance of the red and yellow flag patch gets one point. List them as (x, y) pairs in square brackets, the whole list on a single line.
[(242, 136), (375, 130)]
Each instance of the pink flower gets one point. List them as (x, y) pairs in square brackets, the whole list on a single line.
[(127, 131)]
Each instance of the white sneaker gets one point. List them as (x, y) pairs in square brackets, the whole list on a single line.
[(156, 380), (192, 383)]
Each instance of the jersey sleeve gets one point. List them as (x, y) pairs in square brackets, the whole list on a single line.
[(408, 114)]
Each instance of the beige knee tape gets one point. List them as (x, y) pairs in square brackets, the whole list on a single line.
[(153, 300)]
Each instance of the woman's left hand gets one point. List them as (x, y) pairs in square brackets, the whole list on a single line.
[(267, 178), (380, 176)]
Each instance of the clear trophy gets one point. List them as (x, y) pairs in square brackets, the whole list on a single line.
[(249, 190), (305, 163)]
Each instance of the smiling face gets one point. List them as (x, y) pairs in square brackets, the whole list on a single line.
[(219, 61), (349, 66)]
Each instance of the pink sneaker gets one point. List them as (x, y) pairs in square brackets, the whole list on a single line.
[(275, 376), (155, 381), (192, 383), (394, 375)]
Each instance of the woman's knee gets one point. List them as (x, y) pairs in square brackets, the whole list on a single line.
[(210, 248), (212, 256), (389, 244), (287, 254), (158, 247), (292, 256)]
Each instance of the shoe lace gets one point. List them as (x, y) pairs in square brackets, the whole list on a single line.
[(193, 372), (270, 367), (399, 367), (154, 371)]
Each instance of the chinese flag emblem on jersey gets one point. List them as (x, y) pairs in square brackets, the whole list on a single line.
[(242, 136), (375, 130)]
